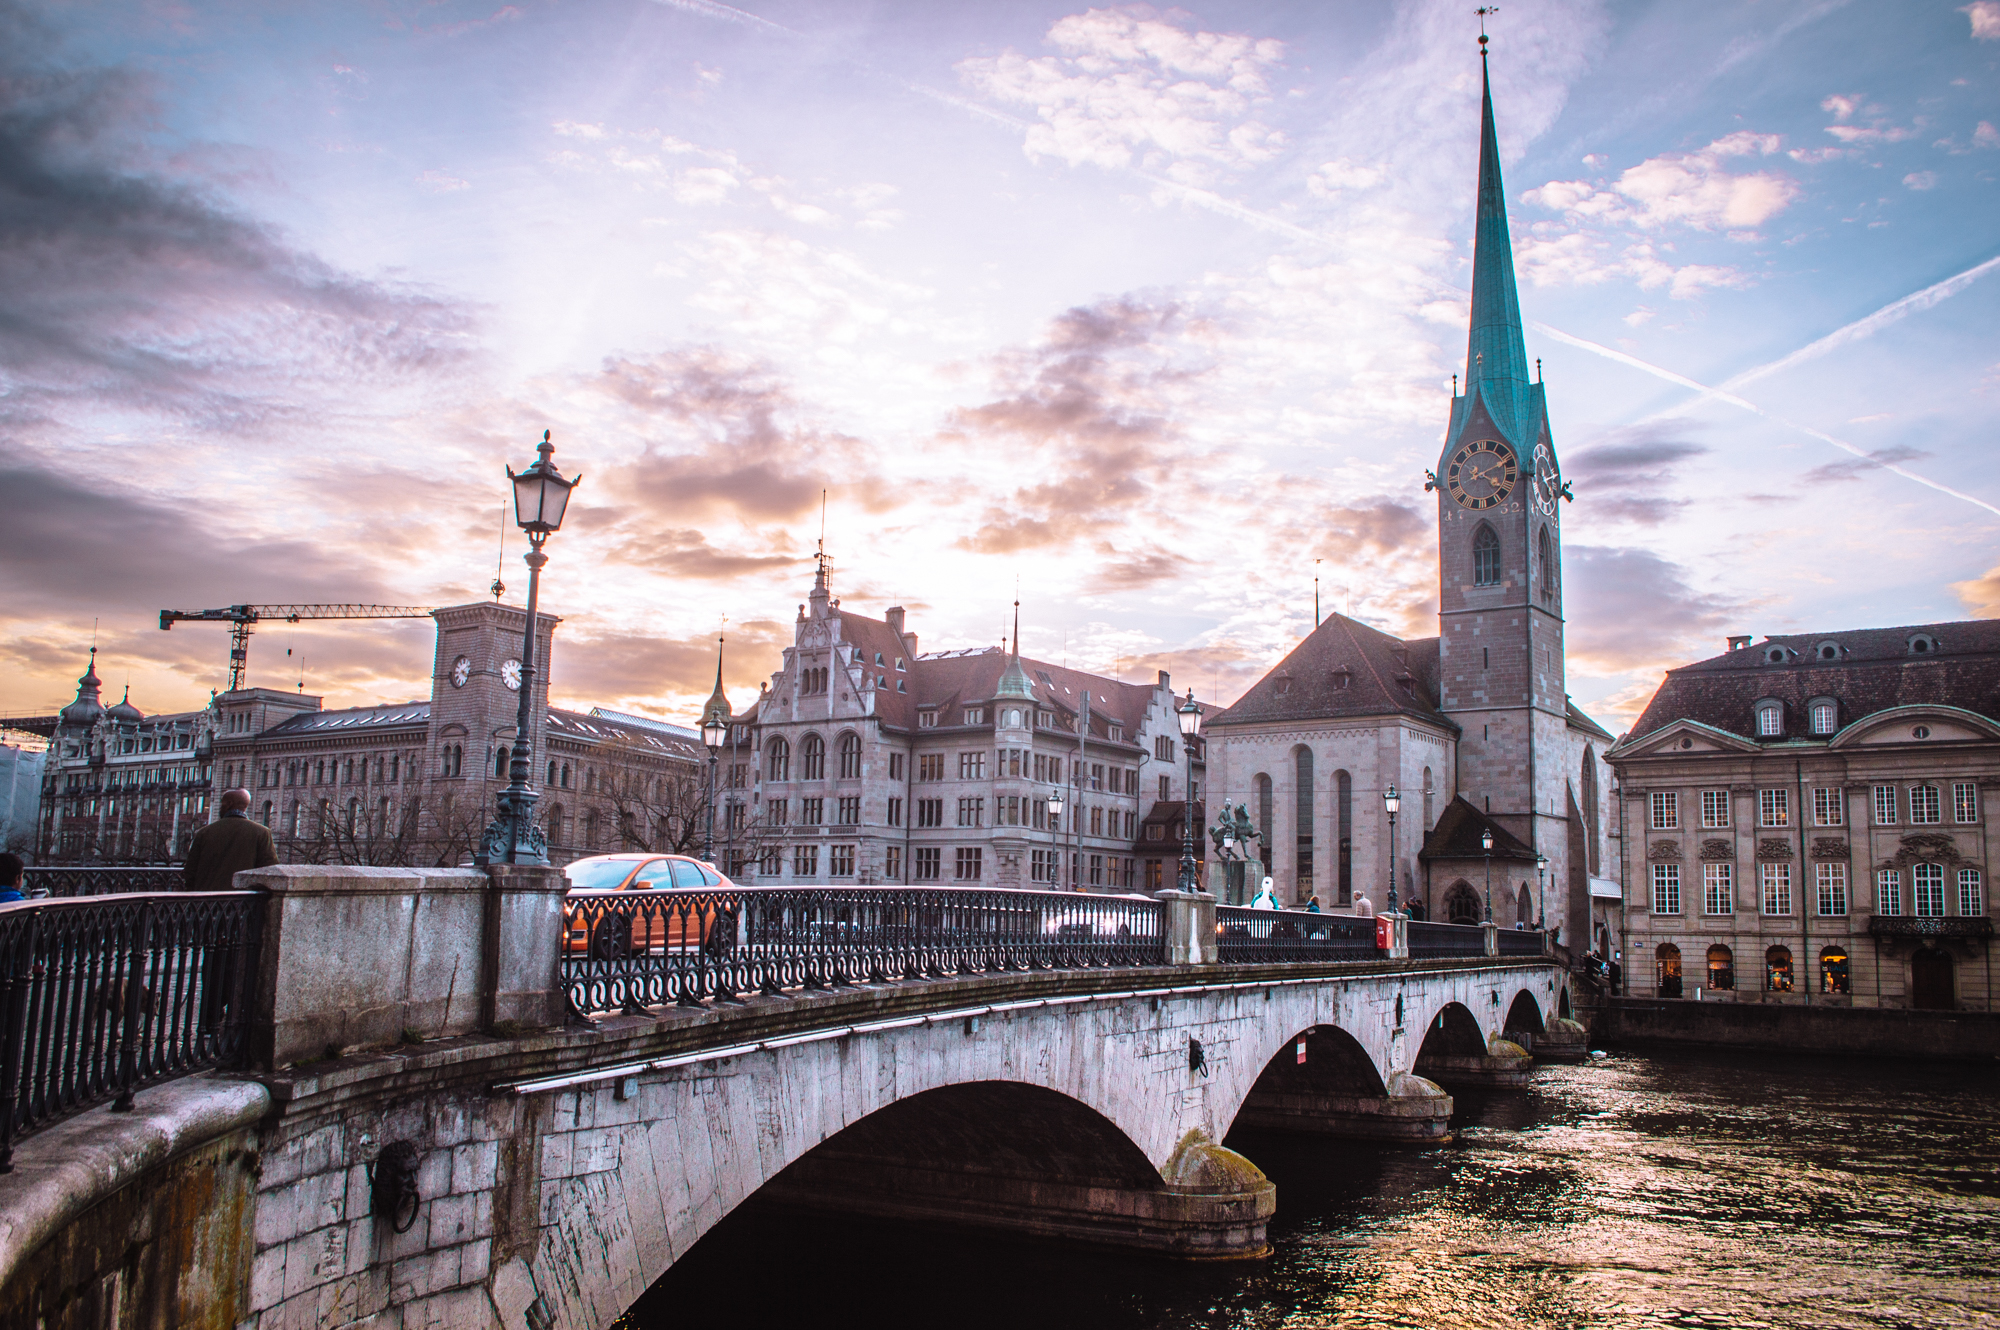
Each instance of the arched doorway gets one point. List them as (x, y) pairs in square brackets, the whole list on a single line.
[(1778, 970), (1667, 962), (1461, 904), (1833, 970), (1721, 967), (1524, 907), (1930, 980)]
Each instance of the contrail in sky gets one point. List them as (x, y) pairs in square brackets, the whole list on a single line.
[(728, 14)]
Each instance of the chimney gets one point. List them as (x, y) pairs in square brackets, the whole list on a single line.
[(1738, 643), (893, 616), (1166, 681)]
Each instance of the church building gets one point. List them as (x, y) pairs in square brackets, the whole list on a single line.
[(1501, 783)]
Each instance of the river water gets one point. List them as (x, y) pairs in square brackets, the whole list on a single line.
[(1669, 1190)]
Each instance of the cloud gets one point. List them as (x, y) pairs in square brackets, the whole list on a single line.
[(438, 182), (1680, 189), (1981, 595), (1985, 15), (1631, 475), (1605, 636), (1580, 258), (609, 668), (1838, 471), (1132, 89), (1842, 106), (1921, 180), (1986, 136)]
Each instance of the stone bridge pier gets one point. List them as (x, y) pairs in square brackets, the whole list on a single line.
[(561, 1170)]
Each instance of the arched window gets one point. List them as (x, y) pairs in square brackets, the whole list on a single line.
[(1833, 970), (1721, 967), (1778, 970), (850, 757), (555, 824), (1524, 907), (1343, 813), (500, 762), (1461, 904), (1264, 820), (552, 774), (777, 760), (565, 775), (1589, 786), (1825, 717), (1302, 807), (812, 758), (1770, 720), (590, 829), (1545, 553), (1429, 791), (1667, 964), (353, 814), (1485, 557)]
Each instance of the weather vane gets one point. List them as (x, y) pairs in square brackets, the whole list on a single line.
[(1483, 11)]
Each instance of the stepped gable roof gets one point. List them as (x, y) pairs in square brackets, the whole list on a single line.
[(1869, 670), (947, 679), (1579, 721), (1456, 836), (1345, 668)]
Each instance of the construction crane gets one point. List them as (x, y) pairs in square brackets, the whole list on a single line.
[(241, 617)]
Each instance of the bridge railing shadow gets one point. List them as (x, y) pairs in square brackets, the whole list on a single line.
[(628, 950)]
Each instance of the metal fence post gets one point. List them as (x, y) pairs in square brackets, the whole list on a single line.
[(20, 973), (135, 983)]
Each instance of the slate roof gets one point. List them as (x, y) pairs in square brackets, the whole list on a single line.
[(1383, 675), (1873, 670), (1456, 836), (392, 715), (654, 736)]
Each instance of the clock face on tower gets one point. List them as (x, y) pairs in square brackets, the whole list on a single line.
[(510, 674), (461, 670), (1548, 484), (1482, 474)]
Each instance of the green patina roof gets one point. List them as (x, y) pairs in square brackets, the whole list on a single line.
[(1496, 356)]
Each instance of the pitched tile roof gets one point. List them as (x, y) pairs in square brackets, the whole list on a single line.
[(1869, 670), (1456, 836), (1345, 668)]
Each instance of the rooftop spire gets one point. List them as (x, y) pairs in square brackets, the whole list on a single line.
[(1496, 358), (1014, 681), (717, 706)]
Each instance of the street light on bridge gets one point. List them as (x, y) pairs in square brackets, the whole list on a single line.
[(1056, 835), (1486, 844), (1542, 893), (1392, 801), (714, 729), (541, 496), (1189, 715)]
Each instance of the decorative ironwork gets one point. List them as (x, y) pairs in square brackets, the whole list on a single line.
[(109, 881), (1520, 942), (1433, 940), (1956, 926), (1244, 935), (106, 994), (634, 949)]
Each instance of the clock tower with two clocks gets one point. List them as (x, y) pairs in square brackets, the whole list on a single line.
[(475, 692), (1500, 611)]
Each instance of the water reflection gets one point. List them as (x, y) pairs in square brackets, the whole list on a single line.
[(1629, 1192)]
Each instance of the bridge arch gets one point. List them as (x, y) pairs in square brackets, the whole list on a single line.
[(1452, 1032), (1524, 1013)]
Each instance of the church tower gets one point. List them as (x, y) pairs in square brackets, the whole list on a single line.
[(1500, 616)]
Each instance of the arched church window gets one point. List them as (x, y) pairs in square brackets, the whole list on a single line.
[(1545, 553), (1485, 557), (1461, 904), (812, 758)]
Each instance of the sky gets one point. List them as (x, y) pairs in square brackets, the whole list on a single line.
[(1147, 317)]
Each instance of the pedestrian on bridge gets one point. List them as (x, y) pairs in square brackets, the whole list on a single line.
[(227, 846), (13, 871)]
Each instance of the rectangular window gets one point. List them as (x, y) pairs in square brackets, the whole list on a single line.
[(1971, 897), (1714, 808), (930, 812), (1927, 881), (1774, 808), (1166, 788), (892, 863), (1666, 810), (1097, 775), (972, 766), (1777, 880), (1831, 880), (1097, 821), (926, 720), (895, 812), (812, 811), (1885, 805), (850, 810), (1129, 817), (775, 811), (1828, 808), (1041, 767), (1038, 866), (805, 861), (1965, 801), (736, 815), (1041, 811), (895, 766), (1666, 888), (927, 863), (974, 716), (773, 862), (972, 812), (840, 861), (1718, 888), (1096, 870), (1888, 892), (930, 766), (967, 866), (1924, 805)]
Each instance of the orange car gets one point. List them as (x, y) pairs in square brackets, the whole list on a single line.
[(596, 923)]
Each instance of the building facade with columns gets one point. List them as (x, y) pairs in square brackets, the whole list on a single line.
[(1502, 783)]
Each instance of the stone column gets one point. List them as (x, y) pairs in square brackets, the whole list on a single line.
[(1190, 919), (521, 973)]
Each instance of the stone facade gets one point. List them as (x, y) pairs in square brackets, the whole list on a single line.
[(1813, 812)]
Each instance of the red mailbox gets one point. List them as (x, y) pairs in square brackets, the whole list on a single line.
[(1385, 933)]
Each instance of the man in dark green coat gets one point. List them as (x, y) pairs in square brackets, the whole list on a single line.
[(227, 846)]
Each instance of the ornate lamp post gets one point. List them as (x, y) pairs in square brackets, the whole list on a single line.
[(1486, 844), (1056, 875), (1392, 803), (1541, 893), (541, 494), (714, 729), (1189, 715)]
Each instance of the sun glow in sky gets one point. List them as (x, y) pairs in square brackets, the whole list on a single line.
[(1149, 313)]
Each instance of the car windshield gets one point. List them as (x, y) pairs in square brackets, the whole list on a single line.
[(598, 876)]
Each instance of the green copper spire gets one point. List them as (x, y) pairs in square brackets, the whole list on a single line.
[(1014, 680), (1496, 359)]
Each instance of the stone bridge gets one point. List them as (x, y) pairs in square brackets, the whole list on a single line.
[(560, 1169)]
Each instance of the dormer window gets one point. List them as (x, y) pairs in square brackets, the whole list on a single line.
[(1923, 644), (1281, 686), (926, 720), (1775, 655), (1827, 651), (1770, 720), (974, 716), (1824, 715), (1340, 678)]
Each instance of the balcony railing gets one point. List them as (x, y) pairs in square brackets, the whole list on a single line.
[(1248, 935), (1904, 925), (103, 996)]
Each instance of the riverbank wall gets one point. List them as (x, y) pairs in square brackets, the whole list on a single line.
[(1970, 1036)]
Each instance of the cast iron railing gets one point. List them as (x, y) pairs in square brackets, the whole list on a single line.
[(1245, 935), (106, 994), (103, 881), (633, 949), (1432, 940), (1519, 942)]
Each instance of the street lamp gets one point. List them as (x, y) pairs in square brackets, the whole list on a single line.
[(1541, 893), (1189, 714), (714, 729), (1486, 844), (1056, 834), (1392, 802), (541, 495)]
